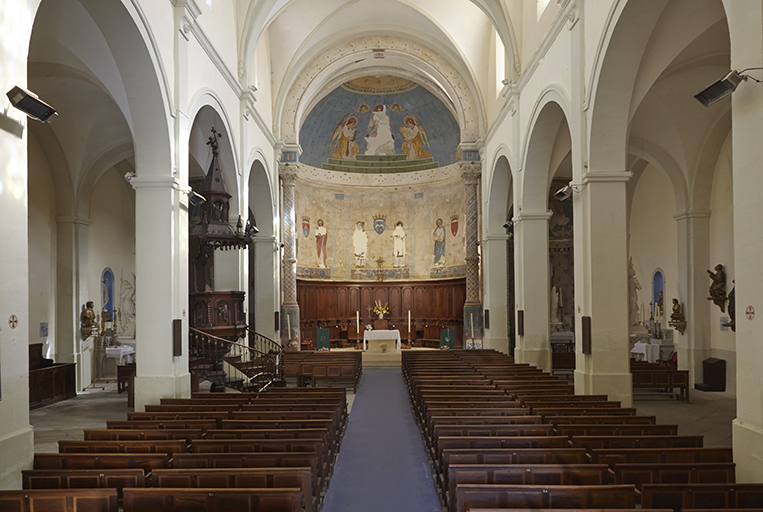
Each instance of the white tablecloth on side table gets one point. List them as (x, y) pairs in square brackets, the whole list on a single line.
[(382, 335), (650, 351), (121, 353)]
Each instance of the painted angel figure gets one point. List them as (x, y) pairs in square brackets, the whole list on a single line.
[(342, 144), (415, 138)]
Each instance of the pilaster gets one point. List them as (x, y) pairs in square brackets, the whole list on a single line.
[(494, 249), (290, 318), (473, 322)]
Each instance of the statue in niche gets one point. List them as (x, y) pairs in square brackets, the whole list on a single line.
[(661, 305), (398, 238), (633, 287), (126, 314), (360, 243), (718, 287), (439, 243), (556, 305), (321, 235), (732, 309), (379, 133)]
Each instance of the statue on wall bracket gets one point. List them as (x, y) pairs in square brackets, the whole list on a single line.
[(732, 309), (677, 319), (718, 287)]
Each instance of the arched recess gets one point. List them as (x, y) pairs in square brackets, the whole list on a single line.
[(263, 287)]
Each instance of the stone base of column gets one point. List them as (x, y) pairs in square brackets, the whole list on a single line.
[(747, 441), (472, 322), (538, 357), (149, 390), (18, 454), (501, 344), (617, 386), (291, 337)]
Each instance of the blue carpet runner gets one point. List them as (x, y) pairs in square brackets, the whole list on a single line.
[(382, 465)]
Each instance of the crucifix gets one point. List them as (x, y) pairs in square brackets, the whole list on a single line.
[(369, 308)]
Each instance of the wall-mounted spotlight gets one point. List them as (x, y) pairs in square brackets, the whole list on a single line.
[(30, 104), (509, 224), (566, 191), (723, 87), (129, 176), (196, 199)]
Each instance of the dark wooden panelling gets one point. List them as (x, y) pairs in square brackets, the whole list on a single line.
[(333, 305)]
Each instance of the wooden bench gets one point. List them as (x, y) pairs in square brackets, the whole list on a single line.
[(202, 425), (690, 496), (549, 412), (145, 461), (523, 474), (240, 500), (83, 479), (59, 500), (300, 433), (168, 447), (470, 496), (616, 430), (216, 417), (703, 473), (614, 456), (606, 419), (662, 378), (106, 434), (332, 441), (234, 478), (670, 441)]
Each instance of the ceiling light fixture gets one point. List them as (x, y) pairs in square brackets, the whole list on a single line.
[(724, 86)]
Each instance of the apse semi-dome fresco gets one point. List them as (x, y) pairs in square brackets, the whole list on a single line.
[(372, 117)]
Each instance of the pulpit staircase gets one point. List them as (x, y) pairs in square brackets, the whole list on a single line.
[(245, 367)]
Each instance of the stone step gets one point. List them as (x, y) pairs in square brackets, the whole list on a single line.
[(403, 167)]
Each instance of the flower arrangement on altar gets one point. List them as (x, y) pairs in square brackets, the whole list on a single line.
[(380, 310), (369, 327), (323, 349)]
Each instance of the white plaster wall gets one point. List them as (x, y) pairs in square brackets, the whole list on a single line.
[(42, 252), (597, 16), (534, 29), (111, 237), (160, 18), (653, 235), (723, 342), (219, 25), (264, 92)]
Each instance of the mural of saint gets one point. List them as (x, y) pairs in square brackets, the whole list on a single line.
[(379, 133), (343, 139), (360, 243), (439, 243), (414, 138), (320, 243), (398, 239)]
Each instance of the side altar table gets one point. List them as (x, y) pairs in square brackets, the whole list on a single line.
[(382, 335)]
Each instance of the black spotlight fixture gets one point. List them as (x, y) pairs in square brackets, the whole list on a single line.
[(723, 87), (30, 104)]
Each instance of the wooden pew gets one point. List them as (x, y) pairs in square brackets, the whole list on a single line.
[(691, 496), (703, 473), (141, 435), (616, 430), (83, 479), (524, 474), (168, 447), (300, 433), (202, 425), (145, 461), (241, 500), (470, 496), (252, 460), (59, 500), (662, 378), (614, 456), (549, 412), (670, 441), (216, 417), (233, 478), (605, 419)]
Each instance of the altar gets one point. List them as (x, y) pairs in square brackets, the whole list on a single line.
[(381, 336), (649, 352)]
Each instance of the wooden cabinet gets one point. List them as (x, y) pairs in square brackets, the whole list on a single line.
[(52, 384)]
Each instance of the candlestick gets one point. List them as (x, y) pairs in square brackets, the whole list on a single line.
[(357, 321), (472, 323), (409, 321)]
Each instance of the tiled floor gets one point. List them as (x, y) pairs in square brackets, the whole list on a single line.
[(707, 414)]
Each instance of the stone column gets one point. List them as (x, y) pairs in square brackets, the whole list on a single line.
[(265, 279), (290, 331), (494, 248), (601, 286), (745, 21), (471, 172), (532, 288), (693, 346), (161, 288)]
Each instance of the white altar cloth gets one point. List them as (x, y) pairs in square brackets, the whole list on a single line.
[(121, 353), (382, 335), (650, 351)]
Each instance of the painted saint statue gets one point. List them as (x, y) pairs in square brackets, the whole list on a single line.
[(398, 238), (360, 244), (321, 235), (439, 244), (379, 133), (414, 139), (342, 144)]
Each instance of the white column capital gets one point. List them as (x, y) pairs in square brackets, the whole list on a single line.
[(522, 216), (605, 176), (167, 182), (495, 238), (471, 171), (692, 215), (288, 173)]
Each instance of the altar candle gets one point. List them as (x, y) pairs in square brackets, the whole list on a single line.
[(409, 320), (471, 321), (357, 321), (288, 326)]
